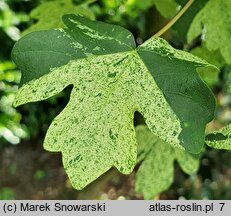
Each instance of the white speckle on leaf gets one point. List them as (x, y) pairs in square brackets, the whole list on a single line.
[(97, 48)]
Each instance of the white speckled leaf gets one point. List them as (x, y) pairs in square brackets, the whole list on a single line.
[(157, 157), (220, 139), (95, 131), (111, 80), (175, 72)]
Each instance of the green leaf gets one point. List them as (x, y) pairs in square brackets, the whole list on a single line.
[(167, 8), (183, 89), (213, 57), (58, 8), (209, 75), (156, 171), (220, 139), (215, 18), (111, 80), (183, 24)]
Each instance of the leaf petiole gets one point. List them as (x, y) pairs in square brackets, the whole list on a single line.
[(174, 20)]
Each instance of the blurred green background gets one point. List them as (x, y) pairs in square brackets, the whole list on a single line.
[(29, 172)]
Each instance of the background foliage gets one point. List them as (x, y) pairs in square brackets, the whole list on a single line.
[(28, 172)]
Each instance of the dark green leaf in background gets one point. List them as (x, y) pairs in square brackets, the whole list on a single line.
[(167, 8), (183, 24), (215, 18)]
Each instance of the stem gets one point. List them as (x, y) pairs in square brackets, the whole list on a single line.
[(174, 20)]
